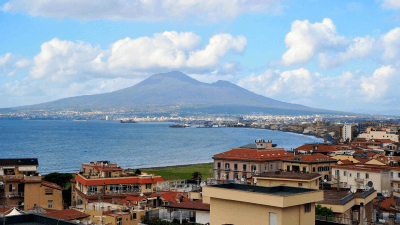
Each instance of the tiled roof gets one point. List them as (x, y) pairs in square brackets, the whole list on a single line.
[(253, 154), (323, 147), (172, 196), (311, 158), (122, 180), (194, 205), (370, 154), (362, 160), (135, 199), (68, 214), (289, 175), (367, 167), (346, 162), (387, 203), (51, 185), (19, 162)]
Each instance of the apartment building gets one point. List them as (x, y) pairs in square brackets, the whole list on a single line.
[(316, 163), (372, 133), (232, 203), (290, 179), (109, 181), (326, 149), (364, 176), (346, 132), (247, 160), (22, 187)]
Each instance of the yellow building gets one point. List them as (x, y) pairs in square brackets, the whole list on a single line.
[(316, 163), (349, 207), (44, 194), (271, 179), (346, 157), (247, 204)]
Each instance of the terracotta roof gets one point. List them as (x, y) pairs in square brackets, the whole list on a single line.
[(324, 147), (387, 203), (51, 185), (135, 199), (311, 158), (346, 162), (362, 160), (68, 214), (253, 154), (367, 167), (289, 175), (370, 154), (122, 180), (2, 210), (172, 196), (194, 205)]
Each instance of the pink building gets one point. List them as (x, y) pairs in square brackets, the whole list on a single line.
[(249, 159)]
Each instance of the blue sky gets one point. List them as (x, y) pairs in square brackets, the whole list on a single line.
[(340, 55)]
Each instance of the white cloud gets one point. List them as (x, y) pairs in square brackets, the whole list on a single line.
[(306, 39), (5, 62), (61, 60), (391, 43), (391, 4), (142, 10), (23, 63), (360, 48), (376, 87)]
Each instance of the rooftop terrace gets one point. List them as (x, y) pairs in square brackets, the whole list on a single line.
[(277, 190)]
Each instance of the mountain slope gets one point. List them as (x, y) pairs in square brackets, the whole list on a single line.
[(171, 89)]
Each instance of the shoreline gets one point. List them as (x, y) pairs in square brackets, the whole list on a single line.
[(183, 165)]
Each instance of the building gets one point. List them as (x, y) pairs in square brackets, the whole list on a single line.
[(346, 132), (199, 210), (271, 179), (316, 163), (349, 207), (363, 176), (247, 204), (326, 149), (247, 160), (372, 134), (21, 186), (109, 181)]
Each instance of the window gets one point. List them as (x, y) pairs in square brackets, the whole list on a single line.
[(358, 186), (288, 168), (265, 168), (50, 204), (227, 166), (244, 167), (235, 176), (398, 175), (119, 221), (304, 169), (277, 166), (148, 186), (320, 168), (358, 175), (316, 182), (48, 192), (219, 176), (307, 207), (253, 168), (345, 184), (300, 184), (235, 166), (398, 186), (272, 167), (227, 176), (349, 174), (11, 188), (134, 216), (313, 169), (391, 174), (337, 172), (391, 185), (219, 165), (345, 173), (366, 176), (92, 188)]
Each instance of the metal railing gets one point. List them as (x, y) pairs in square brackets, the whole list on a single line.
[(113, 192), (12, 195)]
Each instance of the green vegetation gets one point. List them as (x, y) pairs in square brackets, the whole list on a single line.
[(62, 179), (323, 211), (183, 172)]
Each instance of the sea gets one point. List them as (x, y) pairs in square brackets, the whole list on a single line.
[(63, 145)]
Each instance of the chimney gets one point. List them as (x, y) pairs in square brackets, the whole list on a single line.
[(108, 208)]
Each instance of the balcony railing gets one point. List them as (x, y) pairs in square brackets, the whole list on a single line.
[(12, 177), (12, 195), (113, 192), (360, 180)]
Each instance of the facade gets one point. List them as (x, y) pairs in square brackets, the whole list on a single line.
[(326, 149), (372, 134), (22, 187), (353, 208), (247, 160), (271, 179), (316, 163), (109, 181), (200, 210), (247, 204), (365, 176), (346, 132)]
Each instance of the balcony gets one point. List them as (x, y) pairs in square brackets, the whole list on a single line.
[(359, 180), (114, 192), (12, 195), (12, 177)]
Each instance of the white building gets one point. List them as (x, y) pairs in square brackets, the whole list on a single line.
[(347, 132)]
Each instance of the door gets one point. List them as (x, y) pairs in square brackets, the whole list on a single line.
[(273, 219)]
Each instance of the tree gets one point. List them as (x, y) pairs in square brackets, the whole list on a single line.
[(138, 172), (323, 211), (62, 179), (196, 175)]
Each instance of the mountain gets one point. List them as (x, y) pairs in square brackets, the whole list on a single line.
[(173, 88)]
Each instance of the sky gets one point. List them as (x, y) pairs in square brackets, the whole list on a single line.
[(339, 55)]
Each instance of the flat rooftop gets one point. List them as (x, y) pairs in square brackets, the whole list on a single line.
[(277, 190), (289, 175)]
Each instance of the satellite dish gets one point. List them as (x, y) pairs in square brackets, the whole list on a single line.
[(141, 194), (325, 180), (370, 184)]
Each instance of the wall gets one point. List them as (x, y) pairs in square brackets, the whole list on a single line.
[(297, 215), (313, 184), (35, 194), (202, 217), (374, 176)]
